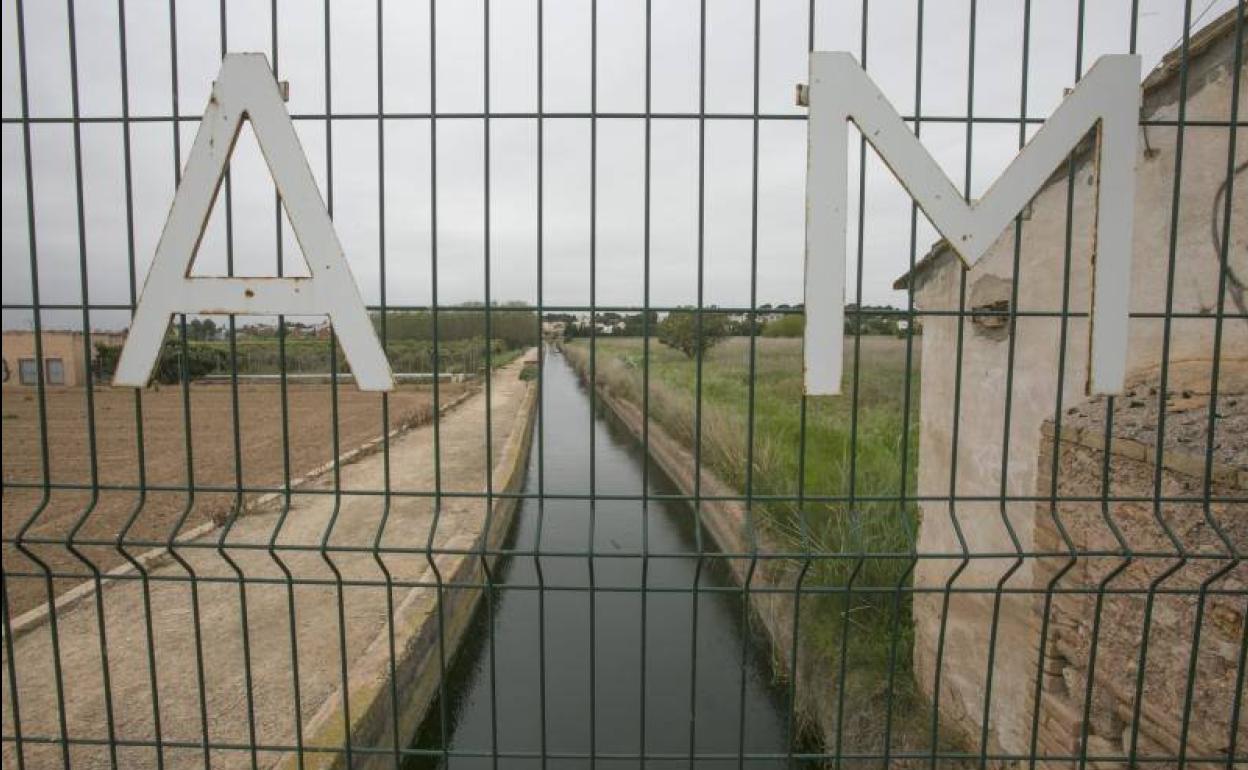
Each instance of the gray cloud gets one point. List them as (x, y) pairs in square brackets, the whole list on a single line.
[(461, 237)]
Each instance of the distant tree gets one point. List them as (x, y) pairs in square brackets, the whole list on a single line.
[(788, 325), (743, 326), (106, 356), (680, 330), (633, 324), (870, 319), (515, 325), (201, 330), (200, 360)]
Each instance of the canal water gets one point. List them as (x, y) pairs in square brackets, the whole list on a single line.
[(721, 693)]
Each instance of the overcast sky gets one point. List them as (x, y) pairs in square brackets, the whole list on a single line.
[(460, 230)]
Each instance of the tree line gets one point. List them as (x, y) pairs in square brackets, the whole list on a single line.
[(409, 342), (691, 332)]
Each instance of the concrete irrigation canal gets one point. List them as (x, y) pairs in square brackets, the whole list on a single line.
[(560, 671), (287, 639)]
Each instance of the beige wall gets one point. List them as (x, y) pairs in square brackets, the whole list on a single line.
[(981, 409), (64, 345)]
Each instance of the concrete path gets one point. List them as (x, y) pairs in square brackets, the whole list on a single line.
[(325, 612)]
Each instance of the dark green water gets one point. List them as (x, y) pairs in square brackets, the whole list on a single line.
[(495, 699)]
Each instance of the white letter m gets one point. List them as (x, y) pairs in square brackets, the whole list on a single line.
[(1107, 98)]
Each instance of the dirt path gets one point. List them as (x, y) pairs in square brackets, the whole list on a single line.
[(308, 416), (327, 609)]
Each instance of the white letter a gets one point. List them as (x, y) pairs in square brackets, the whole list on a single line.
[(246, 90)]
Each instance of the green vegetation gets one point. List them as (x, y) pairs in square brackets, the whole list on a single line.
[(512, 325), (618, 324), (680, 330), (409, 345), (869, 320), (202, 329), (873, 319), (876, 458), (790, 325), (201, 359), (309, 356), (859, 447), (716, 323)]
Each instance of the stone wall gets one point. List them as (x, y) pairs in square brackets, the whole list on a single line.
[(1099, 602)]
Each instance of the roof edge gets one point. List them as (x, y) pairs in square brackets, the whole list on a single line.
[(1160, 77)]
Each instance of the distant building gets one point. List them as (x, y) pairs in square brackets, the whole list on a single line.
[(65, 361)]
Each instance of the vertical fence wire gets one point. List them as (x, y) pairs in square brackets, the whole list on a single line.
[(1164, 378), (1008, 401), (695, 596), (45, 478), (541, 380), (1232, 169)]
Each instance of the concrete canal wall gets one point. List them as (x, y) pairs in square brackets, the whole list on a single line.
[(424, 634)]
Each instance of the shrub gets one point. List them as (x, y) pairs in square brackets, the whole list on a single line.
[(680, 331), (200, 360), (786, 326), (106, 356)]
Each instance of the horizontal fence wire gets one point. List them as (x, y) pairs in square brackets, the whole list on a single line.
[(985, 119), (1033, 628)]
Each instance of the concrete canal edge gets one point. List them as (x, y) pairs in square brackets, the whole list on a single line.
[(417, 665), (726, 521)]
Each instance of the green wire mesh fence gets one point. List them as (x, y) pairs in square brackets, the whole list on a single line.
[(601, 532)]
